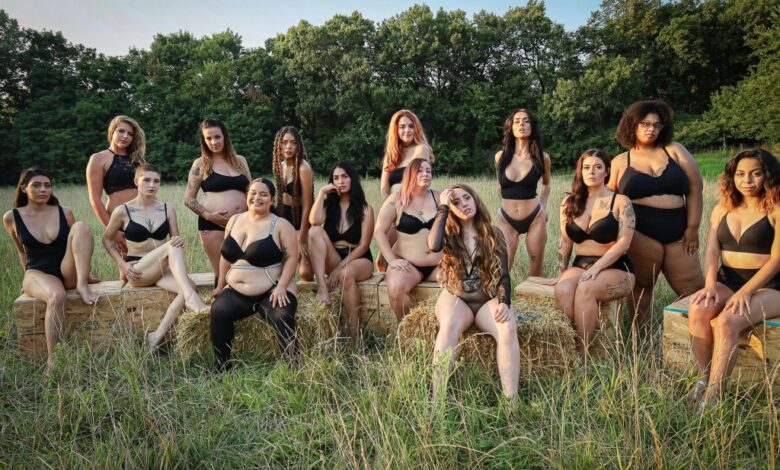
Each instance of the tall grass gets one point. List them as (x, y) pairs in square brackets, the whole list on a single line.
[(125, 407)]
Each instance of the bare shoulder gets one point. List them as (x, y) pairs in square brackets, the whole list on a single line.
[(8, 217), (100, 159), (498, 156), (197, 163), (719, 211), (679, 151), (774, 215), (422, 150), (622, 201), (547, 158), (619, 160)]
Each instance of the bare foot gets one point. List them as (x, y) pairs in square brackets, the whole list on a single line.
[(323, 295), (697, 391), (195, 303), (87, 296), (93, 280), (154, 340), (50, 363)]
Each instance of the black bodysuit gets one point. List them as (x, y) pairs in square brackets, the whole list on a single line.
[(44, 257), (472, 290)]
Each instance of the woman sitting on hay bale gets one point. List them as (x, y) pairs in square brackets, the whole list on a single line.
[(746, 289), (412, 210), (256, 274), (599, 224), (146, 223), (54, 250), (475, 274), (340, 236)]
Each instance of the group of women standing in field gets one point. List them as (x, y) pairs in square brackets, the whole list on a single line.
[(627, 220)]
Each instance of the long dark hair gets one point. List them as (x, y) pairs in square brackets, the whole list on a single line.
[(508, 144), (24, 179), (357, 200), (300, 155), (731, 198), (574, 204), (207, 158)]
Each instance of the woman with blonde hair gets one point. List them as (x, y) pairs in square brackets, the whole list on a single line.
[(224, 177), (294, 189), (113, 170), (745, 290), (477, 288), (411, 210)]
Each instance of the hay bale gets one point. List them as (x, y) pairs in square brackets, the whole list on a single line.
[(546, 338), (317, 325)]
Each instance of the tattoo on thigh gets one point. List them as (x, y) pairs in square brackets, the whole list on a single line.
[(621, 288)]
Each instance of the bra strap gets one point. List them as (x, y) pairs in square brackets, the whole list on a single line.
[(628, 159), (128, 213), (273, 225), (612, 204)]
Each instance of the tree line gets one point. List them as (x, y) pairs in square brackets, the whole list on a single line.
[(717, 62)]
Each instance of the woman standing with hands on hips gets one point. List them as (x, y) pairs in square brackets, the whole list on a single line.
[(113, 171), (224, 176), (294, 189), (664, 184), (478, 289), (340, 237), (520, 164), (745, 290), (151, 260), (256, 275), (599, 225)]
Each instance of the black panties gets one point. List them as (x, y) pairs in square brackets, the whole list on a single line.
[(204, 224), (734, 278), (662, 225), (585, 262), (521, 225)]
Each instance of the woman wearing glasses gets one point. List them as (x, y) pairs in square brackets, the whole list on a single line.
[(665, 187)]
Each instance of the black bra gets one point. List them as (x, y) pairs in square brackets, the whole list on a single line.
[(217, 183), (523, 189), (120, 175), (289, 188), (756, 239), (410, 224), (263, 253), (136, 232), (604, 230), (637, 185), (396, 176), (350, 235)]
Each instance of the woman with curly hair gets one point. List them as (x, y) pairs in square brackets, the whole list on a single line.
[(599, 225), (54, 250), (665, 187), (294, 189), (340, 237), (411, 210), (113, 170), (224, 176), (520, 164), (405, 141), (475, 274), (745, 290)]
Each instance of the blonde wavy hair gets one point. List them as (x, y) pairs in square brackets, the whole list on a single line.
[(487, 257), (137, 148), (393, 150)]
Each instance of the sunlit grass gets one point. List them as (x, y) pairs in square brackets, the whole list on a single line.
[(124, 407)]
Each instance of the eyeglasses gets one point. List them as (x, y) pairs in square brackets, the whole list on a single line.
[(651, 125)]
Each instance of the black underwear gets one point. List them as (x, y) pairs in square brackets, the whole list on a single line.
[(522, 225), (204, 224), (663, 225), (585, 262)]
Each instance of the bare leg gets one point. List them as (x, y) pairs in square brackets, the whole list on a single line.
[(304, 265), (166, 257), (49, 289), (511, 237), (356, 271), (171, 314), (764, 304), (75, 265), (565, 290), (454, 318), (324, 258), (507, 346), (682, 271), (535, 241), (610, 284), (212, 244), (699, 318), (647, 256), (399, 285)]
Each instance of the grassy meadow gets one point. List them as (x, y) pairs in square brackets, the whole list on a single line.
[(368, 408)]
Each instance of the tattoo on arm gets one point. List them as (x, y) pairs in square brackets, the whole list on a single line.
[(628, 217), (195, 207)]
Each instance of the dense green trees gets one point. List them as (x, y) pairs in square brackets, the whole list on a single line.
[(715, 61)]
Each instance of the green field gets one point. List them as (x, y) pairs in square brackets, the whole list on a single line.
[(125, 407)]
